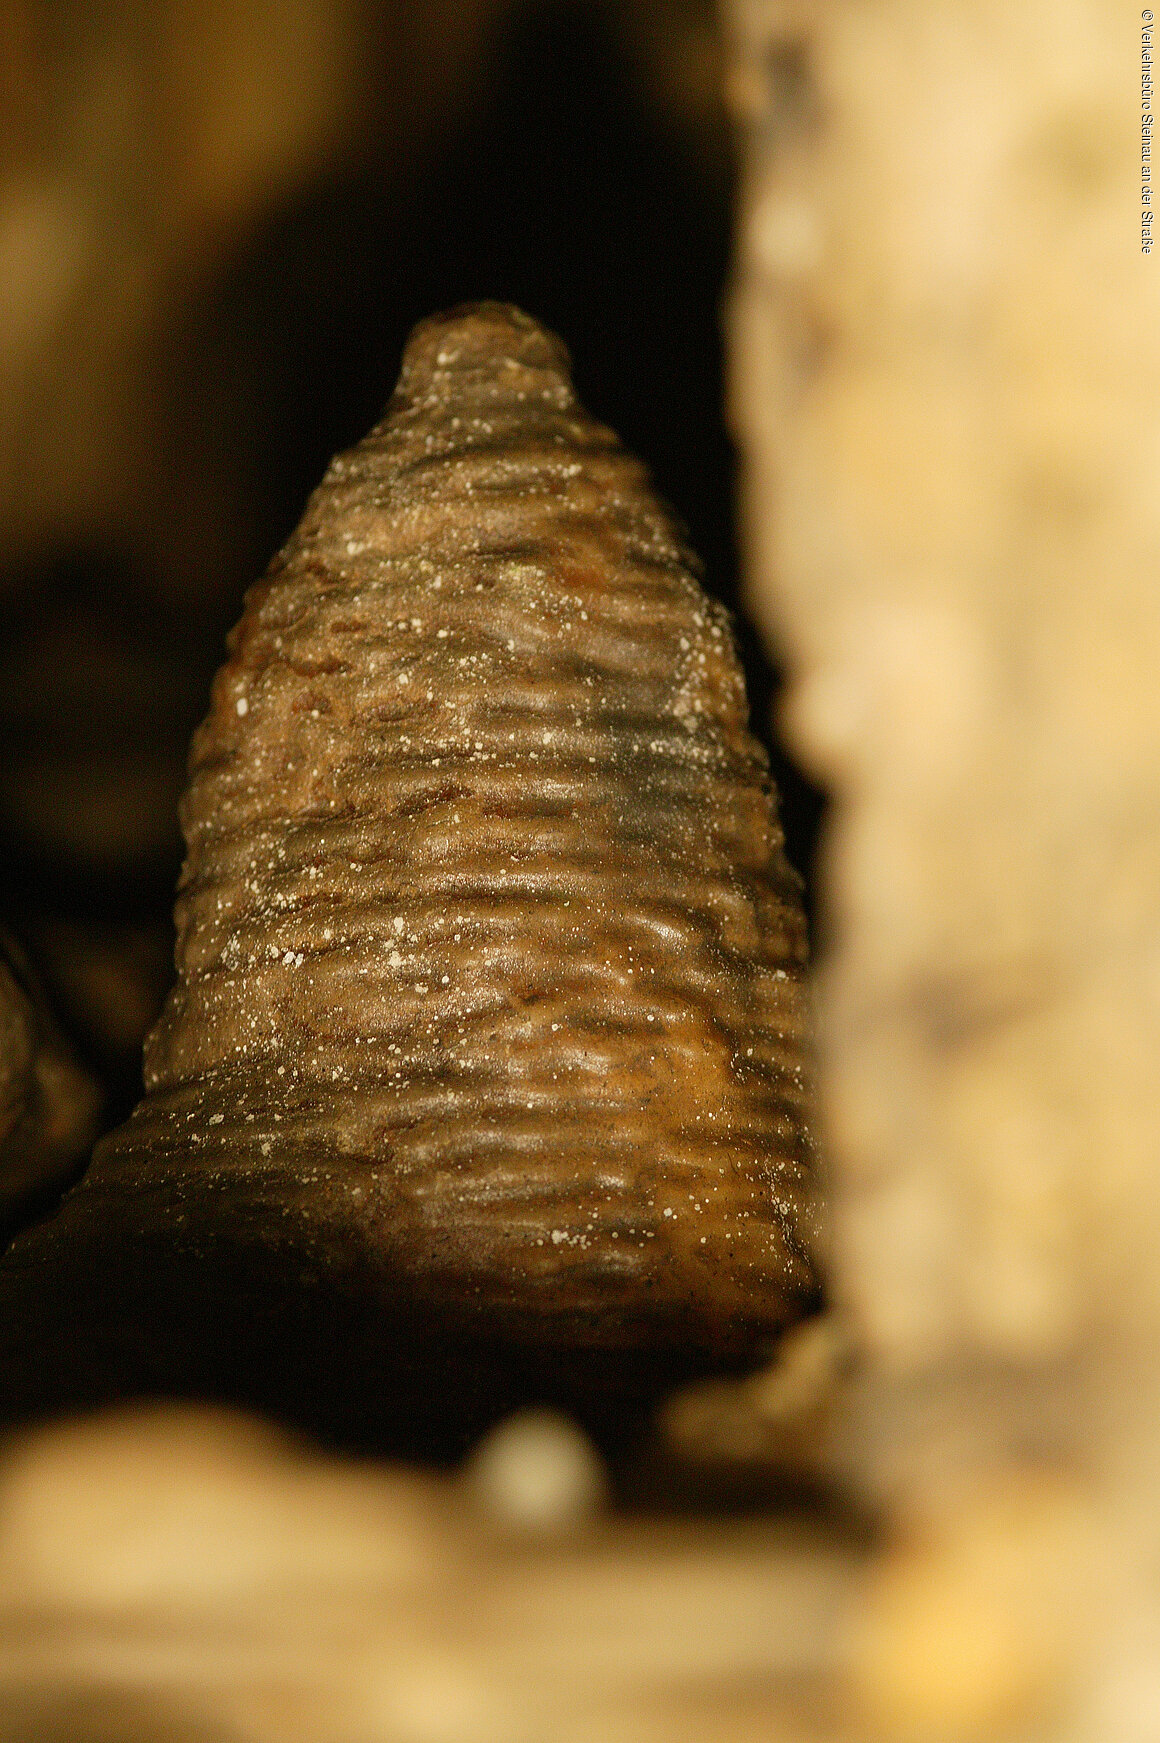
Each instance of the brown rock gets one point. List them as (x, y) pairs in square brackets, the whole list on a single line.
[(490, 1010), (49, 1105)]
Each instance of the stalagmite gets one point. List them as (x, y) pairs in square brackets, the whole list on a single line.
[(489, 1021)]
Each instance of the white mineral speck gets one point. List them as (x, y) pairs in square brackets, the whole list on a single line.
[(242, 706)]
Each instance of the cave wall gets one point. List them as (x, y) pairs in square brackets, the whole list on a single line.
[(945, 397)]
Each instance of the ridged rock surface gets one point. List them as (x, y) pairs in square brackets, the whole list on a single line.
[(490, 1008)]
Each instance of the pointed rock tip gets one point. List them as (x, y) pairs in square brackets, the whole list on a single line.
[(480, 338)]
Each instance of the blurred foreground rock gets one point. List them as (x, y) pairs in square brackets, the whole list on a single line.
[(190, 1575), (949, 422)]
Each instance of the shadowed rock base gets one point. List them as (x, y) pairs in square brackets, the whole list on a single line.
[(298, 1320)]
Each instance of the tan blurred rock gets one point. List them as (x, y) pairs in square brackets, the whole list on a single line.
[(779, 1418), (190, 1574), (972, 1630), (944, 380)]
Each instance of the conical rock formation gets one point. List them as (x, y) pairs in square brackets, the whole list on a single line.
[(490, 1010)]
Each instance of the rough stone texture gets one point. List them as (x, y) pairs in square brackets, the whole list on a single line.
[(49, 1105), (945, 383), (490, 1007), (958, 438)]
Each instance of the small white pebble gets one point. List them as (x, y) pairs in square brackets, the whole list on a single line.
[(537, 1472), (242, 706)]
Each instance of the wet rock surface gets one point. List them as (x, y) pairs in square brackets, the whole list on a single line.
[(487, 1054)]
